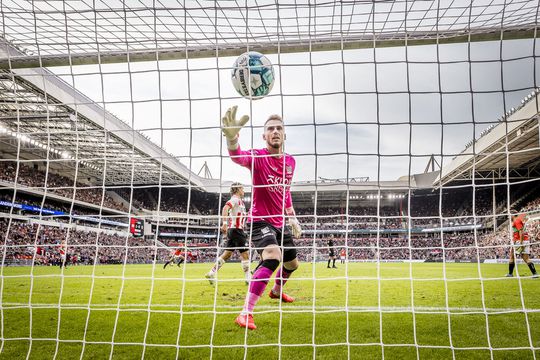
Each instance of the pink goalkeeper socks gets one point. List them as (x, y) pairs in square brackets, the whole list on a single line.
[(282, 276), (251, 301), (258, 283)]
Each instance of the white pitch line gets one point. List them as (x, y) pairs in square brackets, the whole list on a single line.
[(427, 309)]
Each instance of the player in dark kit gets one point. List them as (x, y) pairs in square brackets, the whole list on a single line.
[(331, 254), (234, 219)]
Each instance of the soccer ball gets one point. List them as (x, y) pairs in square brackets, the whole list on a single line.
[(253, 75)]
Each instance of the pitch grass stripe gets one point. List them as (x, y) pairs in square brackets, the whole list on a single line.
[(289, 308)]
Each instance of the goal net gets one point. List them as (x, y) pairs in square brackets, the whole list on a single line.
[(415, 130)]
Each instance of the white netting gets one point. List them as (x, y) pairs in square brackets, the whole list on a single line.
[(110, 133)]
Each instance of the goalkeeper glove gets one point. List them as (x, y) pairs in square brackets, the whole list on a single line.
[(295, 227), (231, 127)]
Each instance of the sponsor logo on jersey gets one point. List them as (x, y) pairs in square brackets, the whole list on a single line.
[(278, 182), (288, 169)]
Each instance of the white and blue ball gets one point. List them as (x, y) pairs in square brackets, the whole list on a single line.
[(253, 75)]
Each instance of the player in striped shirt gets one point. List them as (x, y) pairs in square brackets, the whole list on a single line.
[(272, 172), (234, 219)]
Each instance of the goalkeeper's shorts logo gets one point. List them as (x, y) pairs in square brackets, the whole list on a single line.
[(266, 232)]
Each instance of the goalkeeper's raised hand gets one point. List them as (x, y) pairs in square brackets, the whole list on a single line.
[(230, 127)]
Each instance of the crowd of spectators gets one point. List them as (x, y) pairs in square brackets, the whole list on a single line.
[(58, 206), (37, 179), (39, 244), (463, 246), (454, 206), (451, 206), (533, 205), (456, 210), (27, 242), (173, 199)]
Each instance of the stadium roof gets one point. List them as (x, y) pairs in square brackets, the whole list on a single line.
[(47, 118), (507, 150), (43, 117), (343, 185), (89, 32)]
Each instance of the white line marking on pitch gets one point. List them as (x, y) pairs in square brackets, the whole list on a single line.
[(438, 309)]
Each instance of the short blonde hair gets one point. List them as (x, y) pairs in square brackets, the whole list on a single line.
[(274, 117), (235, 188)]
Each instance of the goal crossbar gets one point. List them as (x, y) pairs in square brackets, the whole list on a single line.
[(348, 42)]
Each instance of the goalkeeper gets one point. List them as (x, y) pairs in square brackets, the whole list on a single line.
[(521, 244), (272, 173)]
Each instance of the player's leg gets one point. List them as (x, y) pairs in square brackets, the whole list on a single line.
[(242, 244), (263, 237), (271, 259), (171, 258), (244, 255), (229, 248), (530, 264), (217, 265), (181, 259), (334, 262), (511, 263), (290, 264), (221, 260)]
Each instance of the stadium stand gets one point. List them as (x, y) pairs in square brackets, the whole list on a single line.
[(37, 179), (25, 239)]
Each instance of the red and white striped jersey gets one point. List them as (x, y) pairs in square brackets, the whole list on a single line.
[(62, 248), (236, 218)]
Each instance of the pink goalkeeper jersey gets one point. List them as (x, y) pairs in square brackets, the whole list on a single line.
[(272, 177)]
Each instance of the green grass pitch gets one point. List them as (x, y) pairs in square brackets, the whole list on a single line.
[(360, 311)]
